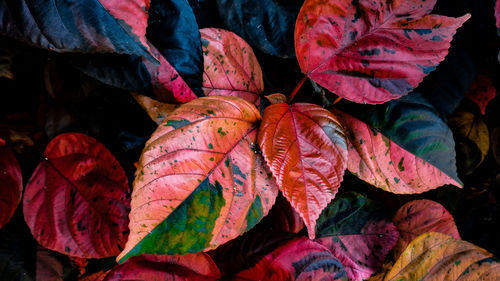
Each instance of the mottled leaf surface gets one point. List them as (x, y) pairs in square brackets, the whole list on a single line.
[(420, 216), (358, 232), (230, 66), (371, 51), (379, 161), (436, 256), (305, 148), (90, 26), (265, 24), (200, 182), (482, 92), (299, 259), (76, 202), (469, 126), (166, 268), (11, 184)]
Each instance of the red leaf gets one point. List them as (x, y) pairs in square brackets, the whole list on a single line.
[(48, 267), (200, 182), (230, 66), (371, 51), (97, 276), (76, 201), (379, 161), (305, 148), (161, 267), (420, 216), (482, 91), (299, 259), (11, 187)]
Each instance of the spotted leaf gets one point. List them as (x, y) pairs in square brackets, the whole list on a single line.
[(371, 51), (11, 184), (200, 181)]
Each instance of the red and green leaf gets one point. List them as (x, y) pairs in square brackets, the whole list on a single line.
[(11, 182), (200, 182), (299, 259), (305, 148), (379, 161), (162, 267), (230, 66), (358, 232), (371, 51), (420, 216), (482, 91), (76, 202)]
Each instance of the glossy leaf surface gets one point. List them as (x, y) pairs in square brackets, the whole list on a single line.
[(471, 127), (266, 24), (379, 161), (482, 92), (89, 26), (436, 256), (230, 66), (11, 184), (200, 182), (157, 267), (371, 51), (76, 202), (299, 259), (305, 147), (358, 232), (420, 216)]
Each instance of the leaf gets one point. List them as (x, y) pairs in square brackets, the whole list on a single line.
[(358, 232), (89, 26), (497, 15), (299, 259), (381, 162), (482, 92), (418, 217), (305, 148), (469, 126), (158, 111), (230, 66), (11, 180), (284, 217), (436, 256), (48, 268), (266, 24), (371, 51), (200, 182), (173, 30), (76, 202), (5, 65), (161, 267), (97, 276)]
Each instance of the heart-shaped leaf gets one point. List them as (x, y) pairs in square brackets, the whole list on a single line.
[(266, 24), (90, 26), (162, 267), (371, 51), (305, 148), (11, 184), (230, 66), (482, 92), (299, 259), (76, 202), (200, 182), (418, 217), (379, 161), (358, 232), (467, 125), (436, 256)]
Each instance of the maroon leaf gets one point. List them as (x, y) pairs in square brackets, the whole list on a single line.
[(162, 267), (482, 92), (371, 51), (76, 201), (97, 276), (11, 185), (48, 267), (230, 66), (299, 259), (284, 217)]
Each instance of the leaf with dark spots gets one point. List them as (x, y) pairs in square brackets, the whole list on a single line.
[(189, 193), (265, 24), (371, 51), (358, 232), (173, 30), (70, 190), (305, 148), (230, 66), (89, 26), (299, 259), (482, 92), (11, 182)]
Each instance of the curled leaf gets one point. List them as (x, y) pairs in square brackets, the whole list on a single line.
[(11, 184)]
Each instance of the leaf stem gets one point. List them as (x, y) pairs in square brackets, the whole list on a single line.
[(292, 95), (337, 100)]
